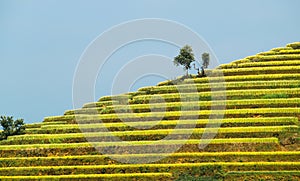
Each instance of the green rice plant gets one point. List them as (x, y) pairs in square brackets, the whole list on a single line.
[(100, 104), (85, 111), (216, 86), (154, 134), (206, 96), (280, 57), (262, 64), (175, 169), (264, 77), (202, 105), (241, 61), (274, 96), (261, 70), (164, 124), (65, 118), (53, 123), (229, 121), (33, 125), (295, 45), (113, 176), (136, 149), (121, 97), (139, 143), (175, 115), (266, 175), (187, 157), (293, 51), (268, 53), (281, 48), (32, 130), (280, 172)]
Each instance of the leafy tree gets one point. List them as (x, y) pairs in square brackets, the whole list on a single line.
[(205, 62), (185, 58), (11, 127)]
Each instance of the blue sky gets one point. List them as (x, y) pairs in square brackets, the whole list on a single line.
[(41, 41)]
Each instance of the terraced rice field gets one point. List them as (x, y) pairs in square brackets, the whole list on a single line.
[(163, 132)]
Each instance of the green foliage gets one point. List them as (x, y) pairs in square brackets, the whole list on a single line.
[(148, 135), (259, 70), (185, 57), (295, 45), (11, 127), (236, 78), (187, 157), (261, 64), (205, 173), (283, 175), (239, 85), (205, 59), (164, 143), (210, 167), (273, 96), (207, 96), (96, 177)]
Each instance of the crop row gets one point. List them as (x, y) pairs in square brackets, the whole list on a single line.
[(39, 125), (175, 115), (283, 175), (244, 60), (261, 64), (202, 105), (116, 98), (295, 45), (100, 104), (258, 70), (275, 57), (280, 50), (195, 105), (33, 125), (141, 143), (196, 157), (217, 86), (168, 124), (194, 133), (268, 53), (290, 51), (221, 79), (147, 168), (62, 149), (100, 176), (218, 95)]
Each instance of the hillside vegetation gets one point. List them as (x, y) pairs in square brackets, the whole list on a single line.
[(255, 125)]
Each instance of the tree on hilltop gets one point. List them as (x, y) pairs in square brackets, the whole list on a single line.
[(185, 58), (205, 62)]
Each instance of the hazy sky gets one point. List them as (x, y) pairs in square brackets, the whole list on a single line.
[(41, 41)]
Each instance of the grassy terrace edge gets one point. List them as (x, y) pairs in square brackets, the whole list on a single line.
[(137, 143)]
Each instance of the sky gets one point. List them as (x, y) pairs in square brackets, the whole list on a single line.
[(41, 42)]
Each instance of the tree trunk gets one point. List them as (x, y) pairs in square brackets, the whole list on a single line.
[(202, 71)]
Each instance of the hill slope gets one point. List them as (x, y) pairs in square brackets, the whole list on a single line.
[(256, 138)]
